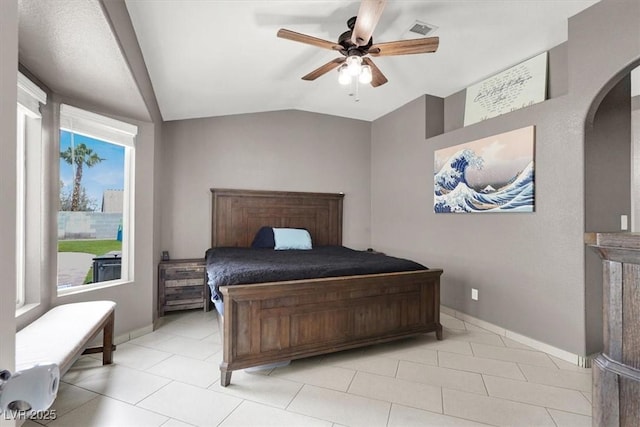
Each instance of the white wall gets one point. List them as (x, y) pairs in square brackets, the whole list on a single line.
[(284, 150), (8, 100)]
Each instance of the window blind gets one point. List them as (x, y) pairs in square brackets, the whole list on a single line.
[(94, 125)]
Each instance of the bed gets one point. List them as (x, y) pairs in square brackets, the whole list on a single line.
[(276, 321)]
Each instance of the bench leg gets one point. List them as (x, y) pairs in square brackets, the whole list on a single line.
[(107, 341)]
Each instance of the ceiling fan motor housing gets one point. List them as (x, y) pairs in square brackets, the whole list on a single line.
[(351, 49)]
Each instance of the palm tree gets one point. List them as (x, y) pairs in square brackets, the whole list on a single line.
[(80, 156)]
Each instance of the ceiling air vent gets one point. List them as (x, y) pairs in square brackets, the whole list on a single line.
[(422, 28)]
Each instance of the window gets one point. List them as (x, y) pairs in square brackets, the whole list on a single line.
[(28, 191), (95, 213)]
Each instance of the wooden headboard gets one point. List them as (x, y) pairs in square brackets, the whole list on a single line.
[(237, 215)]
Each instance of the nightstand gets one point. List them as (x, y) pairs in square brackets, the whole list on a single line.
[(181, 285)]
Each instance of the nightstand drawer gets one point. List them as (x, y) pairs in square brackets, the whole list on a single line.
[(186, 292), (181, 285), (184, 282), (176, 273)]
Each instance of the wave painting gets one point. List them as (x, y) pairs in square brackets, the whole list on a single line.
[(494, 174)]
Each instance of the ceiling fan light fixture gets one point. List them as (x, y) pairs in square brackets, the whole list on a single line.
[(353, 64), (344, 78), (365, 75)]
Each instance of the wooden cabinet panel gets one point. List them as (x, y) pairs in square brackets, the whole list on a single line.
[(616, 371)]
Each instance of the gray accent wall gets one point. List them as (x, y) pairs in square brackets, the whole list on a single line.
[(529, 268), (598, 62), (281, 150), (520, 263), (607, 183)]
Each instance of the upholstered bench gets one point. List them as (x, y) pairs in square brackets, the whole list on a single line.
[(62, 334)]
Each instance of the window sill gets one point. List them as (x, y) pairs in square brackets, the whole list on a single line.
[(26, 308), (93, 287)]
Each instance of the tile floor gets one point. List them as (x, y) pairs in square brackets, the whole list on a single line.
[(473, 377)]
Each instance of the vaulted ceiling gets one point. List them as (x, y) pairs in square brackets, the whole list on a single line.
[(69, 46), (210, 58)]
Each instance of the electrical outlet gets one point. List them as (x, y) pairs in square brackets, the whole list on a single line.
[(474, 294), (624, 223)]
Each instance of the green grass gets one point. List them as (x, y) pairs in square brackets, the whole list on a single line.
[(89, 277), (96, 247)]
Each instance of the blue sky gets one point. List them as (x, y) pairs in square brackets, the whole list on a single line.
[(106, 175)]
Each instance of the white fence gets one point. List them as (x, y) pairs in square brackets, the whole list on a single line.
[(88, 225)]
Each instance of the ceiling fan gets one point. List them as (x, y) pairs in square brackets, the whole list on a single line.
[(356, 45)]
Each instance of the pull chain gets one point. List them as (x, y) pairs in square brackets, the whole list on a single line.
[(355, 89)]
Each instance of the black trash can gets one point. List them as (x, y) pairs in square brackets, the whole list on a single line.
[(107, 267)]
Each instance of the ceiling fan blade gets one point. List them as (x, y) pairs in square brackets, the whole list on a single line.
[(405, 47), (366, 21), (378, 79), (323, 69), (303, 38)]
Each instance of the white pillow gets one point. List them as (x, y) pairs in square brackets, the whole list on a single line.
[(291, 238)]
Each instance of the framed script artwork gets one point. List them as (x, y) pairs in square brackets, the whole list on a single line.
[(520, 86), (494, 174)]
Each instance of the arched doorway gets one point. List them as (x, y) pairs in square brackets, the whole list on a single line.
[(609, 182)]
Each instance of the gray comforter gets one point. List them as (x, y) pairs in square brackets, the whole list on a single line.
[(233, 266)]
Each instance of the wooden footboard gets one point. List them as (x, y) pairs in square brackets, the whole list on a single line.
[(274, 322)]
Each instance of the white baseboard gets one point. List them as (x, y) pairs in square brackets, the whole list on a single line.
[(582, 361)]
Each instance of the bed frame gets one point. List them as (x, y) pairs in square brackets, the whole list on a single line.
[(275, 322)]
